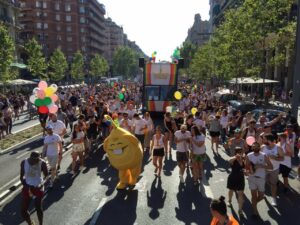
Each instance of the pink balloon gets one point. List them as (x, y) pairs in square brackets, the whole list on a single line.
[(41, 94), (43, 85), (54, 97), (53, 109), (250, 140)]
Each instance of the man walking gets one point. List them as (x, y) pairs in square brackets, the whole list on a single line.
[(33, 185)]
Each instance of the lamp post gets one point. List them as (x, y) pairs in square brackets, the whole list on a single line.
[(296, 78)]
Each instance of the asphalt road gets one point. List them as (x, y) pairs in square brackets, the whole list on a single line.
[(24, 123), (90, 197)]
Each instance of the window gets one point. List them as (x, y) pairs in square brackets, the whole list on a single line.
[(82, 30), (70, 57), (68, 18), (82, 20), (56, 6), (58, 28), (38, 25), (81, 9), (83, 49), (45, 25), (69, 29), (69, 39), (83, 39), (159, 93), (57, 17), (44, 5), (38, 14), (70, 49), (22, 4), (58, 37), (67, 7), (152, 93), (81, 1), (38, 4)]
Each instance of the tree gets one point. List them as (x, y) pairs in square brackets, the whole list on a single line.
[(98, 66), (36, 61), (125, 62), (7, 50), (57, 65), (77, 67), (187, 52)]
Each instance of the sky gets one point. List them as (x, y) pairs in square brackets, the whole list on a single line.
[(156, 25)]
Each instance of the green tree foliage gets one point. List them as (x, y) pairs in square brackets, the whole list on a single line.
[(7, 49), (187, 52), (57, 65), (36, 61), (98, 66), (125, 62), (77, 67), (240, 43)]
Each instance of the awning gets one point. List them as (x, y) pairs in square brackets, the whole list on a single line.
[(19, 65), (248, 80), (20, 82)]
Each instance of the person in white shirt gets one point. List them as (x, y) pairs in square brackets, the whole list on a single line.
[(52, 148), (276, 155), (182, 141), (139, 126), (199, 122), (126, 123), (59, 128), (131, 111), (198, 153), (224, 121), (149, 130)]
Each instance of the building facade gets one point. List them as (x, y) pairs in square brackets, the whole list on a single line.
[(71, 25), (198, 34)]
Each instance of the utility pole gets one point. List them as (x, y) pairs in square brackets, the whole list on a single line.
[(296, 78)]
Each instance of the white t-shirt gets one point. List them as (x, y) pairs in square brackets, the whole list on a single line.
[(272, 152), (138, 125), (126, 124), (131, 113), (58, 126), (199, 123), (196, 149), (182, 146), (80, 135), (224, 121), (52, 142)]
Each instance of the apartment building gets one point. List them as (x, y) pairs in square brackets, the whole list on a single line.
[(198, 34)]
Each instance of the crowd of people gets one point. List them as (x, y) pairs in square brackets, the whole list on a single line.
[(82, 110)]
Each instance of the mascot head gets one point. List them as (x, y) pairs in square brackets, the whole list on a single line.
[(123, 149)]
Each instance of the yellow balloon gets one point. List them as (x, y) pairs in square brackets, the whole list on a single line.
[(178, 95), (194, 111), (49, 91)]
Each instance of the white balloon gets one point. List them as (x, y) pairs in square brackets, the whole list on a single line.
[(54, 86), (32, 99), (35, 90)]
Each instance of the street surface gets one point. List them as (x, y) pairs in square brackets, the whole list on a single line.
[(90, 197)]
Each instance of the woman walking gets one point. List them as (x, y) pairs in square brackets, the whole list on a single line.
[(215, 131), (198, 153), (169, 131), (78, 147), (158, 146), (236, 179)]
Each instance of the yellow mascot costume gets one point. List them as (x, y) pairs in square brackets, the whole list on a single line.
[(125, 153)]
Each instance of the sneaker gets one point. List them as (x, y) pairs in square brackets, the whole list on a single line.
[(274, 202), (181, 179)]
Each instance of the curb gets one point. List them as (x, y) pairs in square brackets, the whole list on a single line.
[(25, 128), (16, 145)]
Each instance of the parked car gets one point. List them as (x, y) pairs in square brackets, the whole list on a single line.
[(228, 97), (272, 114), (242, 106)]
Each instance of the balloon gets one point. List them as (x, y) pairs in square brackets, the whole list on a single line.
[(123, 90), (150, 58), (54, 86), (41, 94), (53, 109), (47, 101), (194, 111), (178, 95), (43, 85), (38, 102), (112, 84), (121, 96), (250, 140), (49, 91), (54, 97), (32, 99), (43, 109), (155, 52), (35, 90)]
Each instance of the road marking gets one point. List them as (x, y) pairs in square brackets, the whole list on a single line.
[(20, 156), (15, 193), (4, 193), (10, 182), (98, 211)]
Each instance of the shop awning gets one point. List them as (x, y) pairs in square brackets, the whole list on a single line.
[(19, 65)]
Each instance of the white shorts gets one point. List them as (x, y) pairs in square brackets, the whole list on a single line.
[(256, 183), (78, 147), (52, 160)]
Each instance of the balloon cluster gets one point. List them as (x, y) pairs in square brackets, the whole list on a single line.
[(44, 98), (153, 57), (176, 55)]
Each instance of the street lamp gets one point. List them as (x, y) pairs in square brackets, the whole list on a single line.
[(296, 78)]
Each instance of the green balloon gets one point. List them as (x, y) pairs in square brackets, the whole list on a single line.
[(121, 96), (38, 102), (112, 84), (47, 101)]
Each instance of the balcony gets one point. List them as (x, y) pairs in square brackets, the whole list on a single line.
[(98, 38), (97, 30)]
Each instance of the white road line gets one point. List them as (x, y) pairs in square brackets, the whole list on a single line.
[(98, 211), (15, 193), (4, 193), (9, 183), (20, 156)]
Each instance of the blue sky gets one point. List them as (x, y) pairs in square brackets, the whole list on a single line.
[(156, 25)]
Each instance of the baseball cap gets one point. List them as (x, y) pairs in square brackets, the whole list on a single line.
[(49, 126)]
